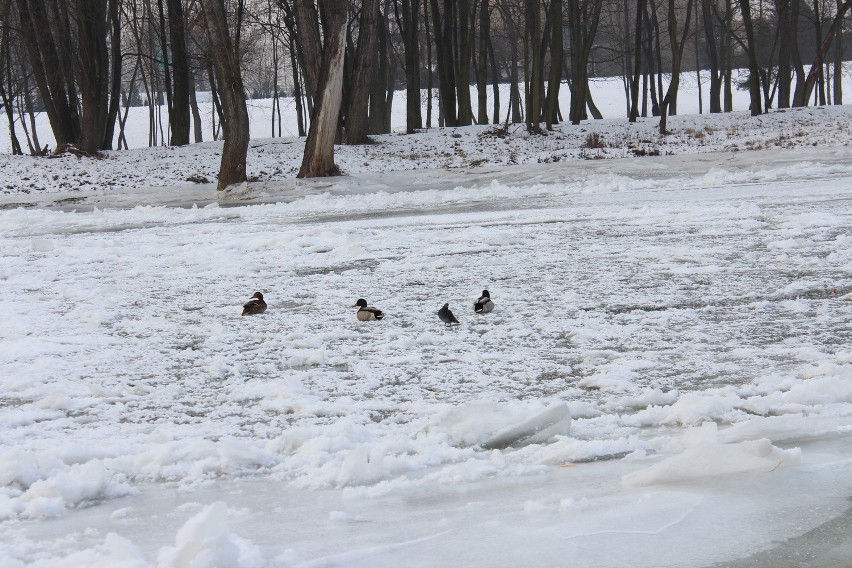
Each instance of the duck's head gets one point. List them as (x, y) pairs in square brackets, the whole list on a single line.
[(486, 294), (361, 303), (257, 295)]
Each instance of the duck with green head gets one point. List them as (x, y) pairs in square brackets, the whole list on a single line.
[(367, 313)]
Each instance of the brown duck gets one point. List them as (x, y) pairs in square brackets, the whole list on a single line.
[(255, 305)]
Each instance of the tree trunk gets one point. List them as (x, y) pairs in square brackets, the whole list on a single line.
[(355, 131), (115, 72), (6, 99), (785, 68), (637, 62), (47, 71), (556, 54), (710, 42), (727, 58), (235, 123), (495, 83), (678, 41), (197, 134), (411, 39), (379, 120), (463, 54), (318, 160), (584, 24), (443, 31), (482, 64), (94, 74), (532, 15), (179, 110), (799, 98), (816, 66), (310, 45), (754, 72), (838, 62)]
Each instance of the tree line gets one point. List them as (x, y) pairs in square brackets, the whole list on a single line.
[(85, 62)]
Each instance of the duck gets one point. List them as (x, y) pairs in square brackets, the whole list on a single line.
[(255, 305), (367, 313), (447, 316), (484, 304)]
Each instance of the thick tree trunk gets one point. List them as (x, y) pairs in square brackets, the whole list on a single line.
[(179, 110), (318, 160), (235, 123), (355, 131), (310, 45), (94, 74)]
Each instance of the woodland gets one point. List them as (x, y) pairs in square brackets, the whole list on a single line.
[(84, 63)]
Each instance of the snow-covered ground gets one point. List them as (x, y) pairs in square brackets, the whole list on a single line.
[(666, 379)]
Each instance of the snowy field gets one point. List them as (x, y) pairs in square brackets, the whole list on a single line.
[(666, 379)]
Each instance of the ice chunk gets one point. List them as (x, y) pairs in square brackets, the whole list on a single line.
[(704, 457), (205, 541), (553, 421)]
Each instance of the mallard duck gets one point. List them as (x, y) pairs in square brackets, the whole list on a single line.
[(484, 304), (366, 313), (447, 316), (255, 305)]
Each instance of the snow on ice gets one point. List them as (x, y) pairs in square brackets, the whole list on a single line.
[(666, 379)]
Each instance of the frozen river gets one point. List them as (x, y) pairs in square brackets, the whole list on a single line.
[(692, 314)]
